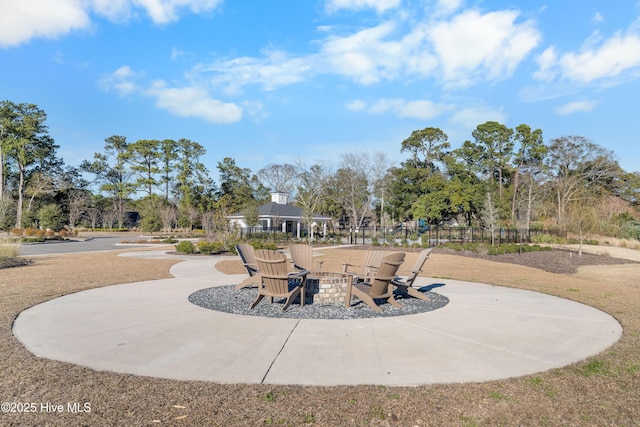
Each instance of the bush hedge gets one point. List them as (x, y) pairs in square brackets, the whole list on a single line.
[(186, 247), (506, 248)]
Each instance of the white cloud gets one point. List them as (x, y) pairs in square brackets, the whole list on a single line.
[(276, 68), (417, 109), (122, 81), (576, 107), (379, 5), (610, 59), (598, 59), (461, 50), (547, 63), (163, 11), (446, 7), (356, 105), (23, 20), (598, 17), (193, 102), (490, 46), (469, 118), (184, 102)]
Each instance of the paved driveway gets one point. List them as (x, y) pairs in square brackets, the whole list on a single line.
[(94, 244)]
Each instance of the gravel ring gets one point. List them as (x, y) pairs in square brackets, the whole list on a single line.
[(227, 299)]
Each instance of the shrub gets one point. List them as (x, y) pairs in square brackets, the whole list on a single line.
[(30, 231), (8, 250), (51, 216), (207, 248), (547, 239), (259, 244), (631, 230), (17, 231), (186, 247)]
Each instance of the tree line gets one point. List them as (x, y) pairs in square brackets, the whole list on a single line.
[(501, 177)]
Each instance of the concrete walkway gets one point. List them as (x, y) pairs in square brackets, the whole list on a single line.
[(149, 328)]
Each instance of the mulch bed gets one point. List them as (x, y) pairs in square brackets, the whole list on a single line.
[(559, 261)]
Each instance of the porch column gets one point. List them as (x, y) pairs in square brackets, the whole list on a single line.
[(298, 229)]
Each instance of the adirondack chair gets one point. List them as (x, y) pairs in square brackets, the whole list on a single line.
[(379, 286), (302, 257), (406, 287), (276, 281), (371, 262), (247, 254)]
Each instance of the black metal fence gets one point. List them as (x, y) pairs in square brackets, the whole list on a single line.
[(437, 235), (431, 236)]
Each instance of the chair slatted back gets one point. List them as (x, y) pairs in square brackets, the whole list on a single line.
[(302, 256), (274, 271), (247, 254), (417, 268), (372, 261), (385, 274)]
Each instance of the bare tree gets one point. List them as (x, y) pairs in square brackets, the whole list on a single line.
[(582, 218), (109, 218), (168, 215), (310, 191), (358, 180), (94, 216), (282, 178), (577, 165), (490, 216), (78, 201)]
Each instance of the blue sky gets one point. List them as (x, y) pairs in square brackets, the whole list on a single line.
[(307, 80)]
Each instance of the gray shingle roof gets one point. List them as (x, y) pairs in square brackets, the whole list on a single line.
[(273, 209)]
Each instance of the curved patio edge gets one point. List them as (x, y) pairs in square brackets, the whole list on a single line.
[(149, 328)]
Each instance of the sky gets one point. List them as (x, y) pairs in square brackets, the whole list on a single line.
[(284, 81)]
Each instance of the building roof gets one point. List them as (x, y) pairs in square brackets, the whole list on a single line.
[(273, 209)]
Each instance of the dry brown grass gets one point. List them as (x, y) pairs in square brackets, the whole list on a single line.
[(602, 391)]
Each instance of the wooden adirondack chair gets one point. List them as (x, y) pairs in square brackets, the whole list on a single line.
[(406, 287), (276, 281), (370, 263), (379, 286), (247, 254), (302, 257)]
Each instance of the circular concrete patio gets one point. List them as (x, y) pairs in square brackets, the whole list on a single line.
[(149, 328)]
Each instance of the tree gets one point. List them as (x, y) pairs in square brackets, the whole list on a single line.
[(427, 147), (51, 217), (144, 156), (582, 218), (490, 216), (112, 173), (578, 167), (240, 185), (168, 157), (78, 200), (357, 182), (494, 143), (25, 143), (312, 182), (279, 178), (192, 181), (528, 161)]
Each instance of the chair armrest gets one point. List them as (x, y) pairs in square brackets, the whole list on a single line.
[(345, 265), (296, 274)]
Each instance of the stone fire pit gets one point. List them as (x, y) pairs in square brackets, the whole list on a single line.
[(325, 287)]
